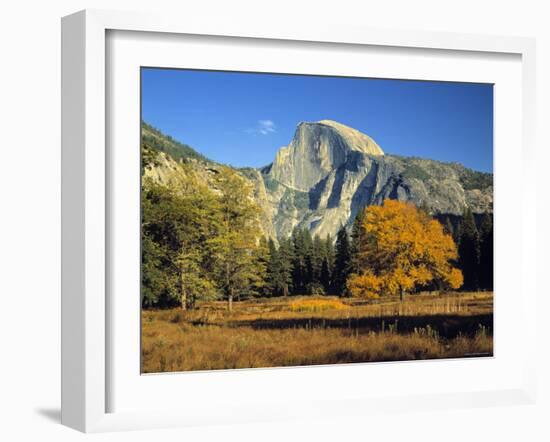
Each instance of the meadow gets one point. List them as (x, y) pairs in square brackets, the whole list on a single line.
[(298, 331)]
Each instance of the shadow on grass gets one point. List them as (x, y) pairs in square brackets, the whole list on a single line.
[(446, 326)]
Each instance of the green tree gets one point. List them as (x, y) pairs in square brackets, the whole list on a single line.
[(194, 281), (325, 276), (261, 287), (342, 262), (449, 227), (309, 259), (273, 272), (175, 231), (486, 252), (286, 257), (327, 270), (155, 282), (329, 252), (279, 269), (301, 264), (237, 267), (356, 239), (469, 251), (318, 254)]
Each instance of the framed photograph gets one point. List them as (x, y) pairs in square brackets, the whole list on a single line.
[(264, 222)]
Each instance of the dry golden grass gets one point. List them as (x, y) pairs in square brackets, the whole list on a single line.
[(317, 305), (271, 333)]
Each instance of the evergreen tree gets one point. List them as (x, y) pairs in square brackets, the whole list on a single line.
[(298, 261), (279, 268), (486, 252), (302, 260), (328, 274), (449, 227), (357, 234), (342, 263), (262, 253), (329, 251), (457, 230), (469, 251), (325, 276), (308, 257), (285, 258), (273, 272), (318, 254), (309, 282)]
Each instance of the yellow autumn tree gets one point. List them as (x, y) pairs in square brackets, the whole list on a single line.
[(402, 249)]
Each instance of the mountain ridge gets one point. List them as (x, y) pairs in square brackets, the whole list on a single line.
[(329, 171)]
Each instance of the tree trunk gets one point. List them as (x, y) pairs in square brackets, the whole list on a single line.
[(285, 290), (401, 295)]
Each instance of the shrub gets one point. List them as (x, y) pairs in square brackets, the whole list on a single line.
[(315, 289), (316, 305)]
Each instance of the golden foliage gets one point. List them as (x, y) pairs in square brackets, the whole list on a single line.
[(402, 249), (366, 285)]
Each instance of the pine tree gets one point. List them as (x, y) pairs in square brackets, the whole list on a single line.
[(285, 259), (309, 282), (449, 227), (273, 273), (342, 263), (357, 234), (486, 252), (262, 257), (318, 254), (308, 258), (469, 251), (324, 277), (298, 261), (329, 252), (279, 268), (327, 278)]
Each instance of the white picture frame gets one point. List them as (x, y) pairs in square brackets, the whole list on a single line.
[(85, 209)]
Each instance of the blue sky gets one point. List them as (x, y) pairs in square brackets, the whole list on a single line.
[(242, 119)]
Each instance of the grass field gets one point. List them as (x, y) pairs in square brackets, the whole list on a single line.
[(294, 331)]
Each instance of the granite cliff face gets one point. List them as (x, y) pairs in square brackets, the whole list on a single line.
[(316, 150), (329, 171)]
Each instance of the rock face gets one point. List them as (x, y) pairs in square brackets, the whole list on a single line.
[(330, 171), (316, 150)]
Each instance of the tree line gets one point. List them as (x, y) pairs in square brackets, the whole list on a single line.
[(474, 237), (202, 241), (306, 264), (198, 242)]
